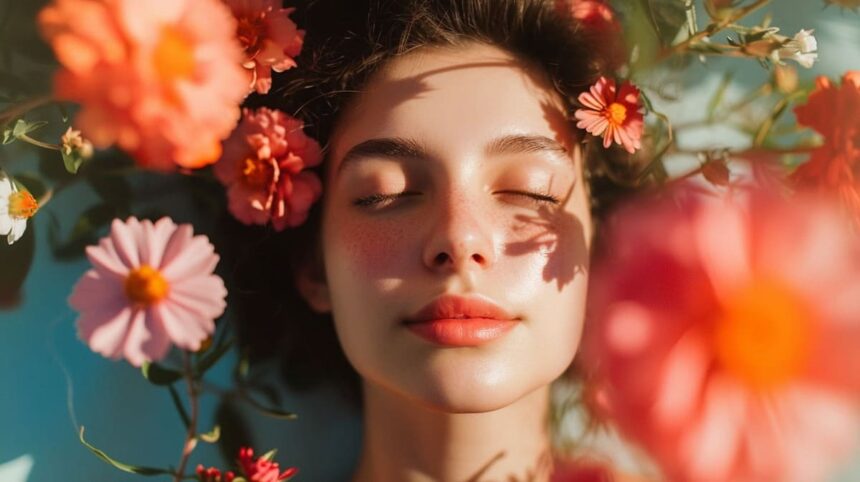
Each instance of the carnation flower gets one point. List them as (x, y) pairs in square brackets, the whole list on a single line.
[(803, 49), (161, 78), (724, 335), (262, 469), (613, 114), (834, 111), (151, 285), (263, 168), (15, 208), (270, 39)]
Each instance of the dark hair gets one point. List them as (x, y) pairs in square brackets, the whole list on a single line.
[(346, 42)]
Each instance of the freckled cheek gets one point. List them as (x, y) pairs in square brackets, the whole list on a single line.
[(371, 250)]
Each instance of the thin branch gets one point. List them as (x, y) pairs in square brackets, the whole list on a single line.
[(191, 437)]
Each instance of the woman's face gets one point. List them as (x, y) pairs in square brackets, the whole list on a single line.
[(478, 141)]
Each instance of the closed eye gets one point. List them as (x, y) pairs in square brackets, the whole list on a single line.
[(539, 198), (379, 199)]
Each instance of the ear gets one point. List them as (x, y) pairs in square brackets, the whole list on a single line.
[(313, 287)]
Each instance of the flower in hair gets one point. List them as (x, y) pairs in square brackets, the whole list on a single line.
[(270, 38), (159, 78), (612, 113), (263, 168), (151, 286)]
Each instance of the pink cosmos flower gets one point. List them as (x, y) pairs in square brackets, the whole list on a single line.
[(261, 469), (724, 335), (151, 285), (612, 113), (161, 78), (263, 168), (270, 38)]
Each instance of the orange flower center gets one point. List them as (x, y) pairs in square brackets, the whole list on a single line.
[(22, 205), (255, 173), (616, 113), (174, 55), (145, 285), (763, 336)]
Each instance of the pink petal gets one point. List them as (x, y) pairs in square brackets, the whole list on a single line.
[(184, 327), (722, 238), (108, 333), (136, 336), (679, 389), (197, 258), (154, 239), (203, 295), (125, 240), (105, 259)]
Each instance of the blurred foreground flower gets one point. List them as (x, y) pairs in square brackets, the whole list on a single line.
[(262, 469), (151, 285), (161, 78), (16, 207), (270, 39), (834, 111), (612, 113), (263, 168), (725, 335)]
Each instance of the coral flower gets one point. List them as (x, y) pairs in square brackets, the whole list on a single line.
[(262, 469), (724, 335), (835, 113), (263, 167), (612, 113), (601, 27), (270, 39), (16, 207), (151, 285), (161, 78)]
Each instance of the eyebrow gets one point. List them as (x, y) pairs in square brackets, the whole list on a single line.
[(406, 148)]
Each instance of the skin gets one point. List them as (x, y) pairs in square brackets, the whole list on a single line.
[(467, 413)]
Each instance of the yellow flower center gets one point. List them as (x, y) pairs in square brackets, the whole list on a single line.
[(173, 56), (616, 113), (22, 205), (764, 334), (145, 285), (255, 173)]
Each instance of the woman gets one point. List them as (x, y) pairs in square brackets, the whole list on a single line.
[(449, 252)]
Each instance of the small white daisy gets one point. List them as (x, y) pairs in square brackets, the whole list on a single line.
[(15, 208)]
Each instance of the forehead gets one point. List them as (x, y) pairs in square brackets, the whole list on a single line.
[(453, 99)]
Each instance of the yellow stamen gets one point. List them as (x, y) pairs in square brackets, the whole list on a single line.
[(616, 113), (145, 285), (22, 205), (173, 56), (255, 173), (764, 334)]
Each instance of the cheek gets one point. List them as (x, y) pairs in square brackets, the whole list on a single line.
[(368, 250)]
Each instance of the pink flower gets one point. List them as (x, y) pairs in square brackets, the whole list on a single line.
[(262, 167), (161, 78), (151, 285), (612, 114), (270, 39), (725, 333), (262, 469), (595, 14)]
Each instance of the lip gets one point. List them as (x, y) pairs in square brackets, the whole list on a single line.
[(452, 320)]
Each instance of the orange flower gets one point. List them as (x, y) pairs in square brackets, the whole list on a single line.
[(613, 114), (835, 166), (270, 39), (160, 78)]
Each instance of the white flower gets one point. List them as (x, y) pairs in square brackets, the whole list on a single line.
[(15, 208), (803, 49)]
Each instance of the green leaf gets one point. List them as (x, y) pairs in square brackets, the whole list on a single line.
[(23, 127), (180, 409), (212, 358), (121, 466), (270, 455), (211, 436), (158, 375), (269, 412), (7, 134), (72, 160)]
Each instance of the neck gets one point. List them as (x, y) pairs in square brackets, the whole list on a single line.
[(408, 442)]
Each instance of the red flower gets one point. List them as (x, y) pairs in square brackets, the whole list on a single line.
[(262, 469), (213, 475), (835, 113), (613, 114)]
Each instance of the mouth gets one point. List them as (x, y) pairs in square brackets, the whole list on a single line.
[(456, 321)]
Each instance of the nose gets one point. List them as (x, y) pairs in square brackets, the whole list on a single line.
[(460, 237)]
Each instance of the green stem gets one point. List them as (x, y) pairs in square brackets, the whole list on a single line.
[(191, 436), (38, 143)]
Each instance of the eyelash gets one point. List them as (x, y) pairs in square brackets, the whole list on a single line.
[(374, 199)]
